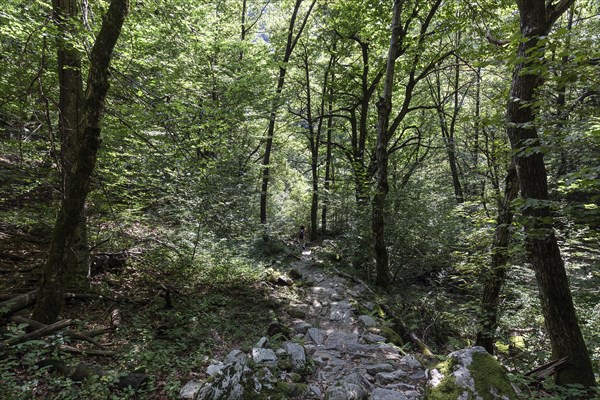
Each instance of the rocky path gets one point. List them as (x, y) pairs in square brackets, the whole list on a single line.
[(351, 355), (336, 352)]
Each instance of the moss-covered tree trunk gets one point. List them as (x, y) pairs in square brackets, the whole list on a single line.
[(536, 20), (50, 298)]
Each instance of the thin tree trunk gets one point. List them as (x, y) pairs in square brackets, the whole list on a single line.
[(499, 264), (328, 166), (537, 18), (314, 140), (384, 108), (50, 298), (451, 145), (291, 44)]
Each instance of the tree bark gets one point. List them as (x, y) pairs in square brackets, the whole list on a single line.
[(496, 275), (292, 40), (70, 105), (50, 299), (384, 108), (328, 159), (536, 20)]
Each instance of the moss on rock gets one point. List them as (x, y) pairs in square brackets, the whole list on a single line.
[(470, 374)]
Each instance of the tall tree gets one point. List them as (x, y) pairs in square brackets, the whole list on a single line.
[(386, 128), (50, 299), (292, 40), (66, 15), (384, 108), (536, 20)]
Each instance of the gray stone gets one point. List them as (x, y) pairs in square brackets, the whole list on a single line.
[(297, 356), (315, 390), (234, 357), (190, 390), (417, 376), (386, 394), (335, 296), (214, 369), (385, 378), (262, 342), (367, 321), (410, 362), (460, 382), (377, 368), (317, 336), (302, 327), (340, 340), (347, 391), (373, 338), (263, 356), (227, 385), (341, 311)]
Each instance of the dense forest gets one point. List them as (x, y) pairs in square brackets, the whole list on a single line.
[(181, 178)]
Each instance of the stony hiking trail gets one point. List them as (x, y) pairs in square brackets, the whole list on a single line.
[(335, 353)]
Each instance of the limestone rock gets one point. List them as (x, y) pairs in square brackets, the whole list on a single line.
[(190, 390), (367, 321), (469, 373), (263, 341), (374, 338), (297, 356), (410, 362), (317, 336), (377, 368), (235, 357), (386, 394), (384, 378), (346, 391), (214, 369), (263, 356), (302, 327)]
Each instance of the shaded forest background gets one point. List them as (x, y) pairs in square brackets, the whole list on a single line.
[(229, 124)]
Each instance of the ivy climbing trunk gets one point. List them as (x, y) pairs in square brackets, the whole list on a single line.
[(50, 298), (536, 20)]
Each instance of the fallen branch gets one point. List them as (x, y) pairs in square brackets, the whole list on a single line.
[(17, 303), (48, 329), (548, 369), (89, 352), (405, 334), (69, 333), (83, 371)]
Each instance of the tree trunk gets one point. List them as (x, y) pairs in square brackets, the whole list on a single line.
[(384, 108), (70, 104), (327, 184), (497, 272), (289, 48), (50, 298), (537, 18)]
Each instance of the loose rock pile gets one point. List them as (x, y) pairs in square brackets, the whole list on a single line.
[(336, 352)]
